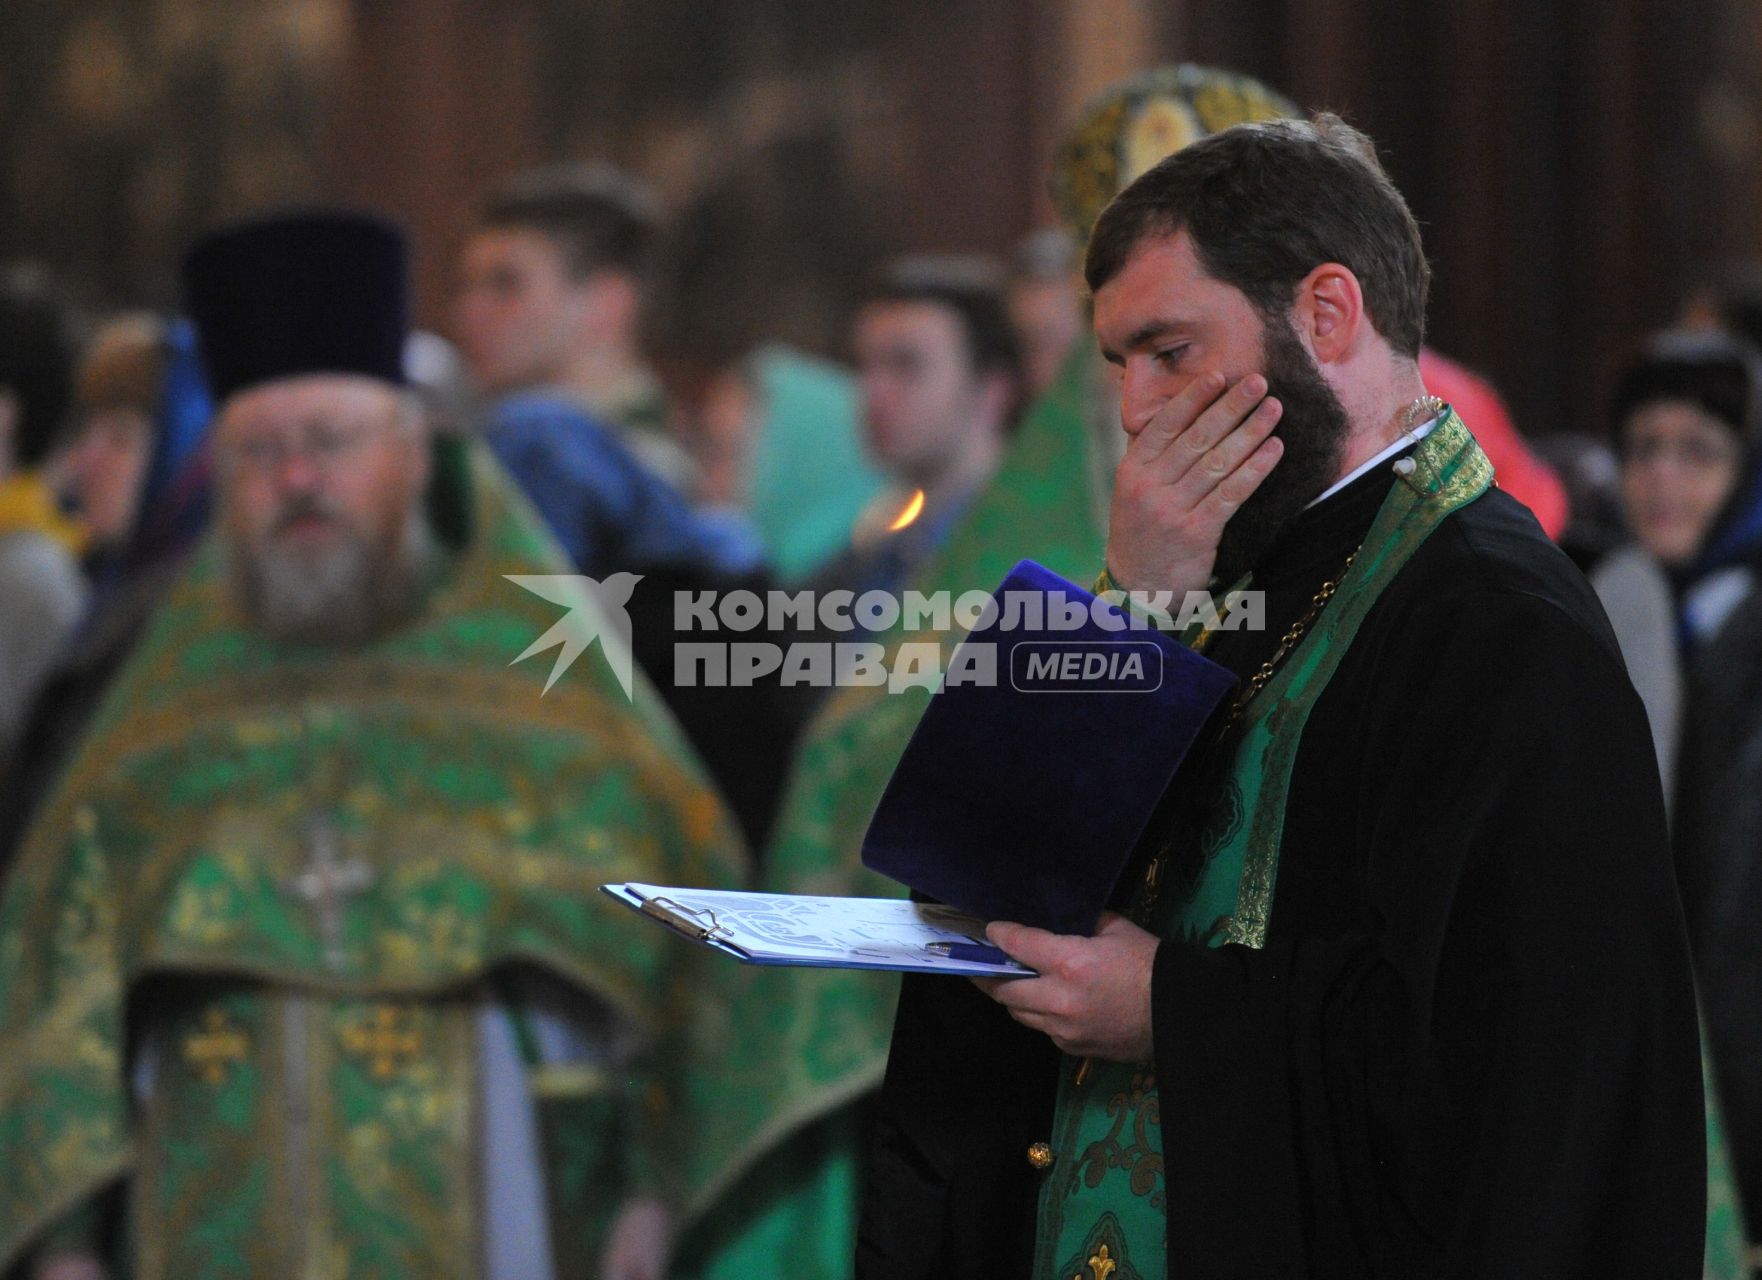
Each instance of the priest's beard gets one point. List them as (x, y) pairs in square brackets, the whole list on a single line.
[(1314, 428), (357, 588)]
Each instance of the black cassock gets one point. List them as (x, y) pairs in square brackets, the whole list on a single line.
[(1468, 1048)]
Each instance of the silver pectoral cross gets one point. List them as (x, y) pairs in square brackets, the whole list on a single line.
[(327, 882)]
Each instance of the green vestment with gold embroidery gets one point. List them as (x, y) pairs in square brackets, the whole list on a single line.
[(248, 948), (814, 1040)]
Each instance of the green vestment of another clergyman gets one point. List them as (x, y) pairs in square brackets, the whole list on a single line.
[(255, 951), (783, 1143)]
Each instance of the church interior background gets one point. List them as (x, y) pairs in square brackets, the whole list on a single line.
[(1575, 162)]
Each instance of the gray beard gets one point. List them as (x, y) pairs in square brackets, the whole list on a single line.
[(345, 598)]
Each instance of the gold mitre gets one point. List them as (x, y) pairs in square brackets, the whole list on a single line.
[(1129, 127)]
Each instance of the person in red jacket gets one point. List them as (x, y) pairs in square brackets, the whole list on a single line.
[(1516, 468)]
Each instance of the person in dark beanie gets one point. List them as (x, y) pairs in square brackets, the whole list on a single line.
[(1684, 420), (1686, 608)]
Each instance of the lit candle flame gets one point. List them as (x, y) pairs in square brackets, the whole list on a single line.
[(908, 513)]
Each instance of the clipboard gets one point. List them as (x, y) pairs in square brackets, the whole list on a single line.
[(795, 930)]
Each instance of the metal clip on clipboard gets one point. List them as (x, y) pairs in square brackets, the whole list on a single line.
[(683, 919)]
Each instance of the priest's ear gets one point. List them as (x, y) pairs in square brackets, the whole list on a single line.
[(1328, 313)]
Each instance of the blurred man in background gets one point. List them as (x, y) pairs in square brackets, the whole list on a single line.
[(548, 318), (551, 292), (307, 972), (942, 384)]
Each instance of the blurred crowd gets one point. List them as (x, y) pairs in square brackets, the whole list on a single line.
[(131, 458)]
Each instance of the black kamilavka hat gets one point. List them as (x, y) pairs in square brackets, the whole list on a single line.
[(313, 291)]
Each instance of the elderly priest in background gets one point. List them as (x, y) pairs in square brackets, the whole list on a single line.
[(305, 968)]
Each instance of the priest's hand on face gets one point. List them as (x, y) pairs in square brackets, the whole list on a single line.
[(1093, 994), (639, 1243), (1187, 470)]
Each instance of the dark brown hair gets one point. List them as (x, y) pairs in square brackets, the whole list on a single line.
[(1268, 203), (600, 219), (972, 289)]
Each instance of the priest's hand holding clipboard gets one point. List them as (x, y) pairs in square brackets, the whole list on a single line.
[(1018, 801)]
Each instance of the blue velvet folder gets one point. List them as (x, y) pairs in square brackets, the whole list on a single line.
[(1023, 799)]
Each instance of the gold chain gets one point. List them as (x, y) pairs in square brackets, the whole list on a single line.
[(1147, 899), (1421, 411), (1143, 911), (1289, 641), (1145, 907)]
